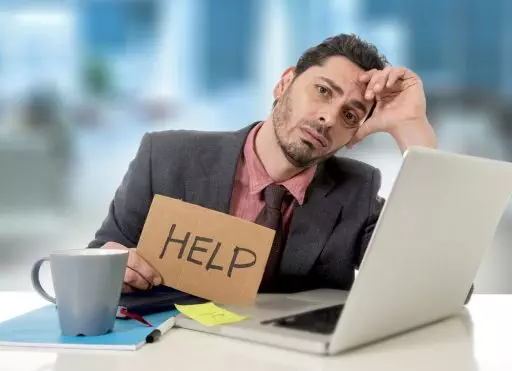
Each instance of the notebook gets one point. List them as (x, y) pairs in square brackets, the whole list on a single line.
[(158, 299), (40, 328)]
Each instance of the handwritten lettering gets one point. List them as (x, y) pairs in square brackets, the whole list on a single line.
[(183, 242), (210, 264), (234, 264), (241, 257), (197, 248)]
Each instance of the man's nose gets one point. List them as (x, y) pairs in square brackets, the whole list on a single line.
[(327, 119)]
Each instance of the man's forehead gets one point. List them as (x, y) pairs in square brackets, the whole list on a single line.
[(341, 71)]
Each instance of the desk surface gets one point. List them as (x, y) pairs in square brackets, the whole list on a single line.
[(475, 340)]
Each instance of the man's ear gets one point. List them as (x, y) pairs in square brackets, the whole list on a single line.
[(284, 82)]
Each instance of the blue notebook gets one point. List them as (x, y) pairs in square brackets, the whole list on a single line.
[(40, 328)]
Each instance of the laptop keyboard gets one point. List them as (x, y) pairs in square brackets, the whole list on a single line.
[(320, 321)]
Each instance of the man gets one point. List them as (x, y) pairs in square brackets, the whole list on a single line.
[(282, 172)]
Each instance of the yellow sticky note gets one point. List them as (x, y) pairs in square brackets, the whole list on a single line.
[(209, 314)]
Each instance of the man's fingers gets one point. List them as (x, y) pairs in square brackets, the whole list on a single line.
[(394, 76), (377, 80), (377, 83), (139, 274), (366, 76), (370, 94), (381, 79), (146, 271), (135, 280), (127, 288), (114, 245)]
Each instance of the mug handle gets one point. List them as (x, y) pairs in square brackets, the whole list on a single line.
[(37, 284)]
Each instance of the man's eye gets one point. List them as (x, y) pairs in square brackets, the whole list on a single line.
[(351, 119), (350, 116), (322, 90)]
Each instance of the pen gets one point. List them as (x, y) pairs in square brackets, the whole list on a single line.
[(160, 330)]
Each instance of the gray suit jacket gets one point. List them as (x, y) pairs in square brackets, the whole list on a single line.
[(328, 233)]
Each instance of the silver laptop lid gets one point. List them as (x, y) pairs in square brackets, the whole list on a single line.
[(440, 217)]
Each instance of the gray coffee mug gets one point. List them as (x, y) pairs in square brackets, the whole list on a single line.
[(88, 285)]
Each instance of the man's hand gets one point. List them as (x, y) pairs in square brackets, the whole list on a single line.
[(139, 274), (400, 108)]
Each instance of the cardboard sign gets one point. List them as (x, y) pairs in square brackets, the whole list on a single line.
[(204, 252)]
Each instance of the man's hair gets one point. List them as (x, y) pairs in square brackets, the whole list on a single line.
[(356, 50), (352, 47)]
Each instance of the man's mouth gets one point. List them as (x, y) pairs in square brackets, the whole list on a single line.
[(314, 137)]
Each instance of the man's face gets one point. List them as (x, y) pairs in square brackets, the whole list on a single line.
[(319, 111)]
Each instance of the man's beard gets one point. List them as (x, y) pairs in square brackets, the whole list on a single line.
[(301, 154)]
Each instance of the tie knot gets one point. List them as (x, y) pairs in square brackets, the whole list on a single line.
[(274, 196)]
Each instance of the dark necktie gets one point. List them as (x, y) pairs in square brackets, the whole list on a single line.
[(271, 217)]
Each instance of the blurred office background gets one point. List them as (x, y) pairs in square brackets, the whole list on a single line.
[(82, 80)]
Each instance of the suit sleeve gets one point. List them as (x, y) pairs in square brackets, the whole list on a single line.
[(375, 206), (129, 208)]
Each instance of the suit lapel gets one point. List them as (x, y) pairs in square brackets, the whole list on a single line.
[(311, 224), (213, 188)]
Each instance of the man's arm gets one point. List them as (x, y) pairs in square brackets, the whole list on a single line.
[(130, 206)]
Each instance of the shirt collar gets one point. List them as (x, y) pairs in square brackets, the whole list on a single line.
[(259, 178)]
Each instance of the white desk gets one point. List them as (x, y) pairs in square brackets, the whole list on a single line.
[(478, 339)]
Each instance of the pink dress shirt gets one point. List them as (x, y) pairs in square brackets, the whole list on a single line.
[(251, 179)]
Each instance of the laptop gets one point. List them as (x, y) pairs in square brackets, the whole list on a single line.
[(433, 231)]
